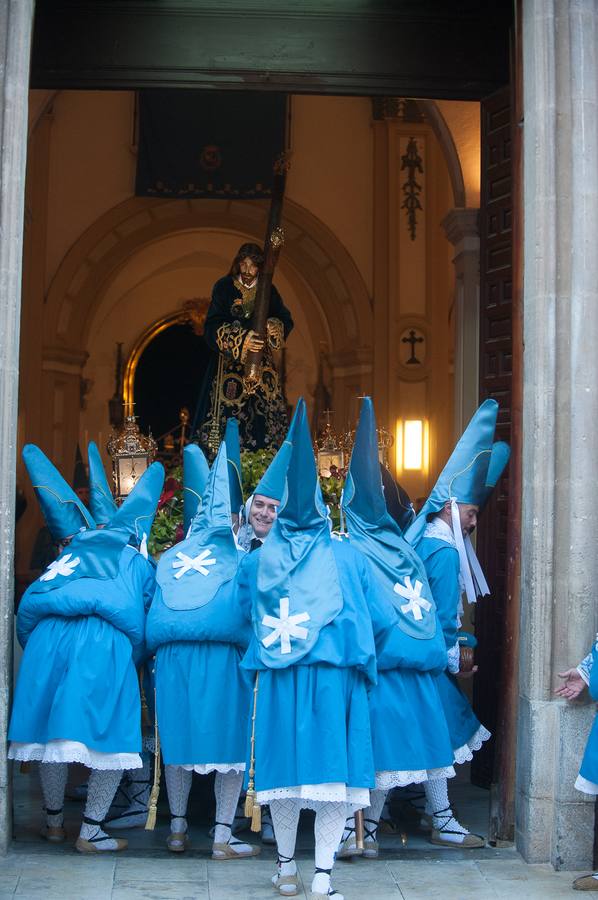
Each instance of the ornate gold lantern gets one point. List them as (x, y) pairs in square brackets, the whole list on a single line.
[(385, 442), (329, 448), (131, 453)]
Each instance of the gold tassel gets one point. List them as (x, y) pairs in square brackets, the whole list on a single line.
[(252, 807), (256, 818), (249, 801), (155, 792)]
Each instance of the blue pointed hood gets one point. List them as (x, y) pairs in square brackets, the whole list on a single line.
[(499, 459), (233, 453), (399, 572), (64, 513), (273, 482), (464, 475), (191, 572), (297, 581), (101, 500), (136, 515), (196, 472)]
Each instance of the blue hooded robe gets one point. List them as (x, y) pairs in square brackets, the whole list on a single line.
[(196, 629), (81, 625), (469, 476), (314, 620), (409, 730)]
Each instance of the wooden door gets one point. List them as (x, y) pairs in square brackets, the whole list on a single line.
[(496, 370)]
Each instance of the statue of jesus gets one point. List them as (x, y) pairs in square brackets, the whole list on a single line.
[(262, 415)]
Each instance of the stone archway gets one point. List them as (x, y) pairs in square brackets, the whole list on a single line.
[(324, 279), (312, 255)]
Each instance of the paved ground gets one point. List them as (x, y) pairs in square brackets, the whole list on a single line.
[(42, 873), (408, 868)]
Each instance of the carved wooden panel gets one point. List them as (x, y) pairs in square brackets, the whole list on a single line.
[(495, 381)]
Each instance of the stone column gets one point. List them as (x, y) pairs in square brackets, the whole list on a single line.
[(16, 17), (462, 230), (559, 571)]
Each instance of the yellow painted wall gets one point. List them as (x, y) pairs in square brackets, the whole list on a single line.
[(81, 171)]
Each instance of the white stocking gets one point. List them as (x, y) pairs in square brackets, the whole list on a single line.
[(53, 780), (227, 787), (285, 819), (178, 786), (371, 815), (328, 829), (437, 803), (100, 794), (349, 829)]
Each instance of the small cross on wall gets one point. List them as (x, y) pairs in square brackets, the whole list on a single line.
[(413, 340)]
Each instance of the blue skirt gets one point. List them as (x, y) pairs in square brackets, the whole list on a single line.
[(460, 717), (409, 729), (312, 727), (203, 703), (589, 763), (77, 682)]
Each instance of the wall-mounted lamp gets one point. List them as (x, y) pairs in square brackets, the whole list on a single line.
[(412, 445)]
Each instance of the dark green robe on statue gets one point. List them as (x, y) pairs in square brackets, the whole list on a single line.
[(262, 416)]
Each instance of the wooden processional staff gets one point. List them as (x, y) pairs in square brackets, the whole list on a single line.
[(273, 242)]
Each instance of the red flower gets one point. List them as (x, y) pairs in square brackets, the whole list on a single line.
[(171, 486)]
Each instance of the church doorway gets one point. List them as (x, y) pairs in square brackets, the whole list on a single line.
[(348, 316)]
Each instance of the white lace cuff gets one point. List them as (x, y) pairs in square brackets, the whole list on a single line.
[(585, 667), (586, 787), (453, 659)]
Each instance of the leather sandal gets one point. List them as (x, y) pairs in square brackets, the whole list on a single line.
[(226, 850), (55, 834), (291, 882), (348, 848), (469, 842), (90, 845), (370, 844), (177, 841), (318, 895)]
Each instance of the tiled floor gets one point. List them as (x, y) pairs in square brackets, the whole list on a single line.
[(408, 868)]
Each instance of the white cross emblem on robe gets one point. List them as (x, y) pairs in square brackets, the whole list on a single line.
[(63, 566), (413, 595), (285, 627), (193, 563)]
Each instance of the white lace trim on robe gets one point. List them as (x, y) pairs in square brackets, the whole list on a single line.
[(385, 781), (586, 787), (311, 795), (585, 666), (62, 751), (465, 753), (206, 768), (441, 530), (454, 658)]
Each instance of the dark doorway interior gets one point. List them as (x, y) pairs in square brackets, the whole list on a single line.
[(169, 376)]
